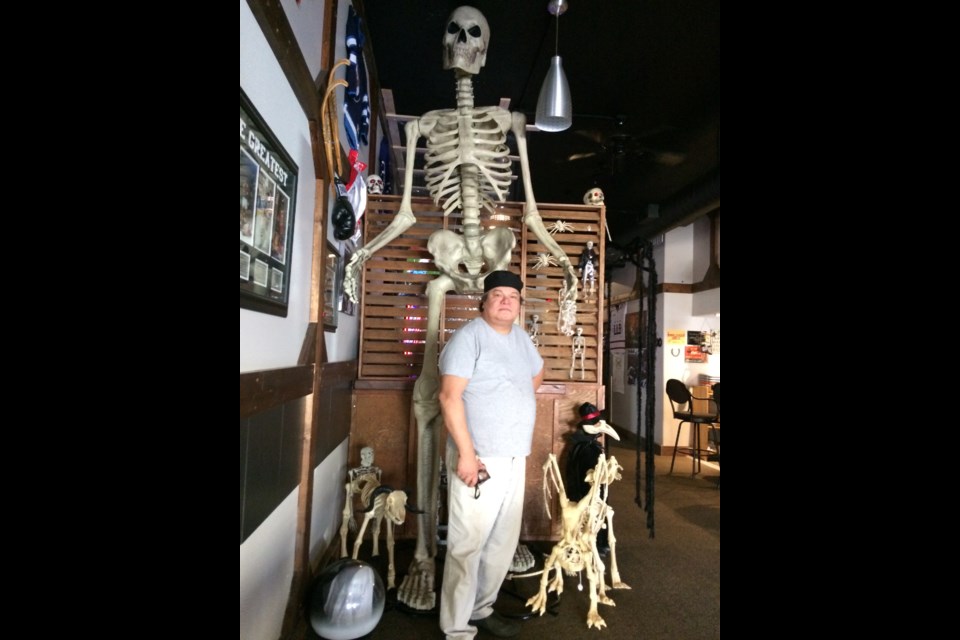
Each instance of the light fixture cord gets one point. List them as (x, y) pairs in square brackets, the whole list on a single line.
[(556, 41)]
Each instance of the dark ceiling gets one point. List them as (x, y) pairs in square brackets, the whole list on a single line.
[(645, 85)]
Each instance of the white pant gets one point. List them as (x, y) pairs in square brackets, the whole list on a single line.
[(482, 537)]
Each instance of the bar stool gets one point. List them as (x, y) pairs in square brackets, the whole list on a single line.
[(681, 401)]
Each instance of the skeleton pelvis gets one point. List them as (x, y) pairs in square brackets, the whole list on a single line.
[(464, 259)]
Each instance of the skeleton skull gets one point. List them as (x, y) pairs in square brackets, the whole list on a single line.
[(465, 41), (374, 184), (593, 196)]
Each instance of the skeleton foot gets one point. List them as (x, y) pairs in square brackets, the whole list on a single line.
[(522, 559), (538, 603), (416, 590), (594, 620), (556, 584), (619, 584), (605, 599)]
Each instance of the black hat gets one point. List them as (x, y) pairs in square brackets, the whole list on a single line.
[(496, 279), (589, 414)]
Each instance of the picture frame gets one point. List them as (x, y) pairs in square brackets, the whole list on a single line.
[(268, 196), (347, 305), (332, 285)]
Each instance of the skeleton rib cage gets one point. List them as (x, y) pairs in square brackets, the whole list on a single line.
[(450, 156)]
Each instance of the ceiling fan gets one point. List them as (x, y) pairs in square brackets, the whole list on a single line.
[(620, 146)]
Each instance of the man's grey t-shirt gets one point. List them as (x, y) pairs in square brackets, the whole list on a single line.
[(499, 398)]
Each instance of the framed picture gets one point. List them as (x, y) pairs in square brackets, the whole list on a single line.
[(268, 193), (347, 305), (633, 330), (332, 283)]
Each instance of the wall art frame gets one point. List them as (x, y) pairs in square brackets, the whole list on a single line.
[(332, 285), (268, 196)]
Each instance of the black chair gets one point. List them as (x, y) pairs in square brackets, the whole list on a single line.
[(715, 432), (682, 402)]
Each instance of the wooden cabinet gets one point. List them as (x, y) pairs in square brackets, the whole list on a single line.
[(557, 418), (383, 419)]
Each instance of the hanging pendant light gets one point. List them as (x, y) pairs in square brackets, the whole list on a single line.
[(554, 109)]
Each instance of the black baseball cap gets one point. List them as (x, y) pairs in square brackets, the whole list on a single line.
[(496, 279)]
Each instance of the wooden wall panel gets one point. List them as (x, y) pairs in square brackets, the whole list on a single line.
[(393, 305), (273, 406), (382, 419), (557, 419)]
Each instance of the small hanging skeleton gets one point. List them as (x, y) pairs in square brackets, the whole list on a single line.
[(577, 349), (588, 269), (467, 167), (577, 550), (534, 331)]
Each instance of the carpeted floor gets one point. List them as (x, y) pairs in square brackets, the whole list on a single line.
[(674, 576)]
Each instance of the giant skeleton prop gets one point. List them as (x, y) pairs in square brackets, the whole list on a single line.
[(467, 166)]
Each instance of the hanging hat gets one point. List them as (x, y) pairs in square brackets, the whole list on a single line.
[(589, 414), (496, 279)]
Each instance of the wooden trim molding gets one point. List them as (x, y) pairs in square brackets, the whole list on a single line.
[(261, 390), (276, 28), (674, 287)]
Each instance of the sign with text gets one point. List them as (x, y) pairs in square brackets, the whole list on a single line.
[(268, 192)]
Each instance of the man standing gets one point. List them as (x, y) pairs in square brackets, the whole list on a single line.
[(490, 372)]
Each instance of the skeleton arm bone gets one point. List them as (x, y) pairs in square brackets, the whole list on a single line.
[(532, 217), (403, 220)]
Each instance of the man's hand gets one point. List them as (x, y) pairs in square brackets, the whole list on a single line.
[(468, 470)]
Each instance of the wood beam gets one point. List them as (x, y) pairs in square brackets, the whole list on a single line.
[(261, 390), (276, 28)]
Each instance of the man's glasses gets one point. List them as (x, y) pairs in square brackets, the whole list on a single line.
[(482, 476)]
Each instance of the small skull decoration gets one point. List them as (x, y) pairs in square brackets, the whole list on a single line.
[(593, 196), (374, 184)]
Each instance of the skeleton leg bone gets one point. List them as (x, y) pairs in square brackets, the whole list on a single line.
[(363, 527), (417, 588), (377, 523), (593, 616), (391, 572), (347, 519)]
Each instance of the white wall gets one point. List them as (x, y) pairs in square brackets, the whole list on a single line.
[(686, 252), (266, 557), (268, 342), (675, 312), (306, 20), (683, 258)]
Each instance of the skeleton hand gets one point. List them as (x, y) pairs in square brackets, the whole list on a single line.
[(352, 273)]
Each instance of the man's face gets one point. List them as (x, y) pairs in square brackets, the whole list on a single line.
[(502, 305)]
